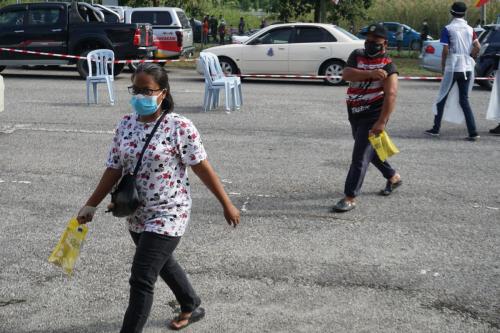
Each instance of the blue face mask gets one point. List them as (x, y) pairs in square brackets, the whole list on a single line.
[(144, 105)]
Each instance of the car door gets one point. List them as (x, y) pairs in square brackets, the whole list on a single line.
[(268, 52), (46, 31), (408, 36), (309, 48), (391, 28), (12, 25)]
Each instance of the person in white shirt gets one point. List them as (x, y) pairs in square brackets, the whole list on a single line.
[(460, 42)]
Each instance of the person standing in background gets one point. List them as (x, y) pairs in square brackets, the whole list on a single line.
[(222, 31), (206, 28), (399, 38), (214, 24), (424, 34), (241, 26)]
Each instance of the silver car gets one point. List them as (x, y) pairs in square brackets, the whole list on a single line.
[(431, 54)]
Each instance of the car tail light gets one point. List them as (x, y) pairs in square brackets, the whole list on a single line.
[(483, 49), (137, 37), (430, 49), (179, 38)]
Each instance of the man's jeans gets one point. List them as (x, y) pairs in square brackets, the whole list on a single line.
[(463, 90), (153, 257), (362, 154)]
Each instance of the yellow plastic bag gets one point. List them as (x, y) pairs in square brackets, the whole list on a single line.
[(383, 145), (68, 249)]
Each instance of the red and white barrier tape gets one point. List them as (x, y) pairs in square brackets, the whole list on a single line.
[(261, 76), (320, 77), (67, 56)]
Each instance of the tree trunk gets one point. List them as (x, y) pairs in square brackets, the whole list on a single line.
[(322, 10), (317, 10)]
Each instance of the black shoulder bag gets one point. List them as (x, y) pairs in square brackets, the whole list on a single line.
[(125, 198)]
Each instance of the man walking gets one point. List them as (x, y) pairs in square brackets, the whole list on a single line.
[(371, 99), (459, 40)]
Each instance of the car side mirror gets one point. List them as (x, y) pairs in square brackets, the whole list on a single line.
[(258, 41)]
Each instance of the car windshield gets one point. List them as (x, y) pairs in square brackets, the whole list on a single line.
[(345, 32)]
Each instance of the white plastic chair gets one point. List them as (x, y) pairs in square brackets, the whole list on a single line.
[(103, 62), (215, 81), (237, 80)]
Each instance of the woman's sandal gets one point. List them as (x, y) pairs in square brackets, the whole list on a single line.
[(196, 315), (390, 187)]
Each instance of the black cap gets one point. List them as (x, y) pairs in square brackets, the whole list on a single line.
[(458, 8), (377, 29)]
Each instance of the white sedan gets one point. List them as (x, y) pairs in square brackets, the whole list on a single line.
[(292, 48)]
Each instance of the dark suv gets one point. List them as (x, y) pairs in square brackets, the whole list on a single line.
[(487, 62)]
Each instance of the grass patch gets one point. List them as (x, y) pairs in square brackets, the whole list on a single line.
[(411, 67)]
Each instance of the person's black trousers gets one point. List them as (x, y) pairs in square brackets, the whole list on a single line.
[(462, 80), (153, 257), (362, 155)]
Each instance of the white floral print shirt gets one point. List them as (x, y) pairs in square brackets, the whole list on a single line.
[(162, 181)]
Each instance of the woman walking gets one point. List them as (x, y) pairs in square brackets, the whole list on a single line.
[(163, 187)]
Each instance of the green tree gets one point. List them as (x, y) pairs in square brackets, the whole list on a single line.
[(345, 9), (288, 10), (348, 10)]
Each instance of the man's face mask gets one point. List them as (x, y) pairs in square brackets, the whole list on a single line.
[(373, 49)]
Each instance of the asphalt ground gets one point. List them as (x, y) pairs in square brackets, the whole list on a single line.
[(426, 259)]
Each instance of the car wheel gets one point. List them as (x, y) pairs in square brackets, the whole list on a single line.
[(228, 66), (118, 69), (81, 65), (488, 84), (2, 68), (83, 69), (415, 45), (333, 68), (132, 66)]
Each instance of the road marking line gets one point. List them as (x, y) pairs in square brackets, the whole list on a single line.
[(29, 127), (15, 181), (244, 207)]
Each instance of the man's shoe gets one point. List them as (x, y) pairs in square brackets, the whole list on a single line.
[(432, 132), (495, 131), (390, 187), (473, 138), (344, 206)]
